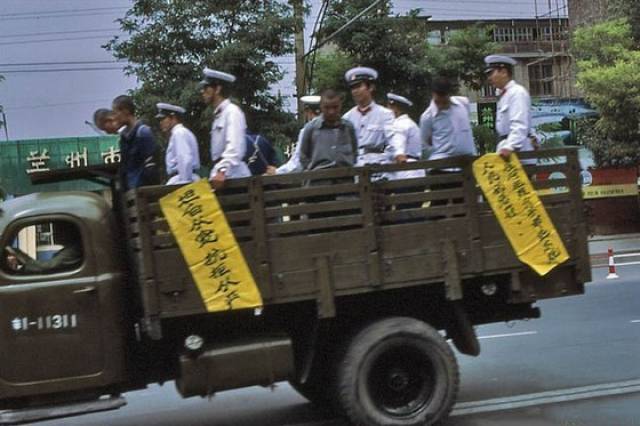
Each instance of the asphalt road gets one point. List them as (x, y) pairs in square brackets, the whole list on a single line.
[(579, 365)]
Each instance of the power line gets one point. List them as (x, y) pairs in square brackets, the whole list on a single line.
[(71, 15), (60, 70), (23, 107), (59, 63), (57, 32), (13, 43), (48, 12)]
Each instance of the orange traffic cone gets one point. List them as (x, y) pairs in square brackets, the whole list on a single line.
[(612, 267)]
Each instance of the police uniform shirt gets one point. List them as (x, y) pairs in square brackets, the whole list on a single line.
[(182, 157), (406, 138), (374, 131), (293, 164), (406, 141), (513, 118), (448, 131), (228, 143)]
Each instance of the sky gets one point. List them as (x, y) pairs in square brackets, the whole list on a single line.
[(56, 72)]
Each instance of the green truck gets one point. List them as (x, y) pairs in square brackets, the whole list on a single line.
[(363, 282)]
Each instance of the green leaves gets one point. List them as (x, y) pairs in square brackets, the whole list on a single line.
[(609, 76), (396, 46), (169, 42)]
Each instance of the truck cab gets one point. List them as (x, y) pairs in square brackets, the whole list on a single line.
[(62, 329)]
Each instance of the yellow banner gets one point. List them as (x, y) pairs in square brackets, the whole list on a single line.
[(210, 248), (606, 191), (520, 212)]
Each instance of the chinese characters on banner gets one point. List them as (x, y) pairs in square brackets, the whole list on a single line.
[(520, 212), (39, 160), (209, 248)]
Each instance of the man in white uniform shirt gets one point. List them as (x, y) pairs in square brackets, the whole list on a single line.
[(373, 123), (311, 110), (406, 142), (228, 130), (513, 115), (182, 159)]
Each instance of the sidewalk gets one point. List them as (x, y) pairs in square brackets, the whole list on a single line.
[(620, 244)]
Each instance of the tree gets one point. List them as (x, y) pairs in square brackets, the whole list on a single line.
[(396, 46), (609, 76), (627, 9), (170, 42)]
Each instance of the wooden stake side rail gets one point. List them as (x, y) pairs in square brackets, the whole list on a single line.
[(370, 235)]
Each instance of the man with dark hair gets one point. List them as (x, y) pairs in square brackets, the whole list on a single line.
[(446, 125), (513, 115), (182, 158), (328, 141), (138, 148), (228, 144), (373, 123), (311, 111), (103, 120)]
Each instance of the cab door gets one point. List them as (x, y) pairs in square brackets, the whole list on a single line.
[(60, 330)]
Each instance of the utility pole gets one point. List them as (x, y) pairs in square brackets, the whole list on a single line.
[(298, 15)]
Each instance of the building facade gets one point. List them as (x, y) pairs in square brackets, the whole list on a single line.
[(539, 45)]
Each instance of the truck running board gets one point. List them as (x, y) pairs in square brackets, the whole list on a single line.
[(14, 417)]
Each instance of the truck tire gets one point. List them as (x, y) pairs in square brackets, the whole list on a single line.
[(397, 372)]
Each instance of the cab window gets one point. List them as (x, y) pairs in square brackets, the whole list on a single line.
[(43, 248)]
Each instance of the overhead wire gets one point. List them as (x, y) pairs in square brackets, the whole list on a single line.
[(48, 33)]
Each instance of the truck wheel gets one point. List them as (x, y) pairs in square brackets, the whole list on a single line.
[(397, 372)]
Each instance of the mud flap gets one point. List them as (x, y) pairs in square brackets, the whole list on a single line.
[(461, 331)]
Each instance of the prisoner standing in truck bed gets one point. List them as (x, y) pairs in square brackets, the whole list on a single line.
[(328, 140)]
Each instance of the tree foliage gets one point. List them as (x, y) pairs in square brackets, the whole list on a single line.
[(609, 76), (168, 43), (396, 46), (630, 10)]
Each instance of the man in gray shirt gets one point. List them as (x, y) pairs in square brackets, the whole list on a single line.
[(328, 140)]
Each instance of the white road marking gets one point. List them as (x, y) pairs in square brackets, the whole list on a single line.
[(497, 336), (635, 321), (550, 397), (522, 401)]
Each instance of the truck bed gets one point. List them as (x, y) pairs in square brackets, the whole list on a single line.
[(328, 234)]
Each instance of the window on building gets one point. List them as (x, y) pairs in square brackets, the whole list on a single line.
[(541, 79), (43, 248), (487, 91), (503, 35), (524, 34), (434, 38)]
